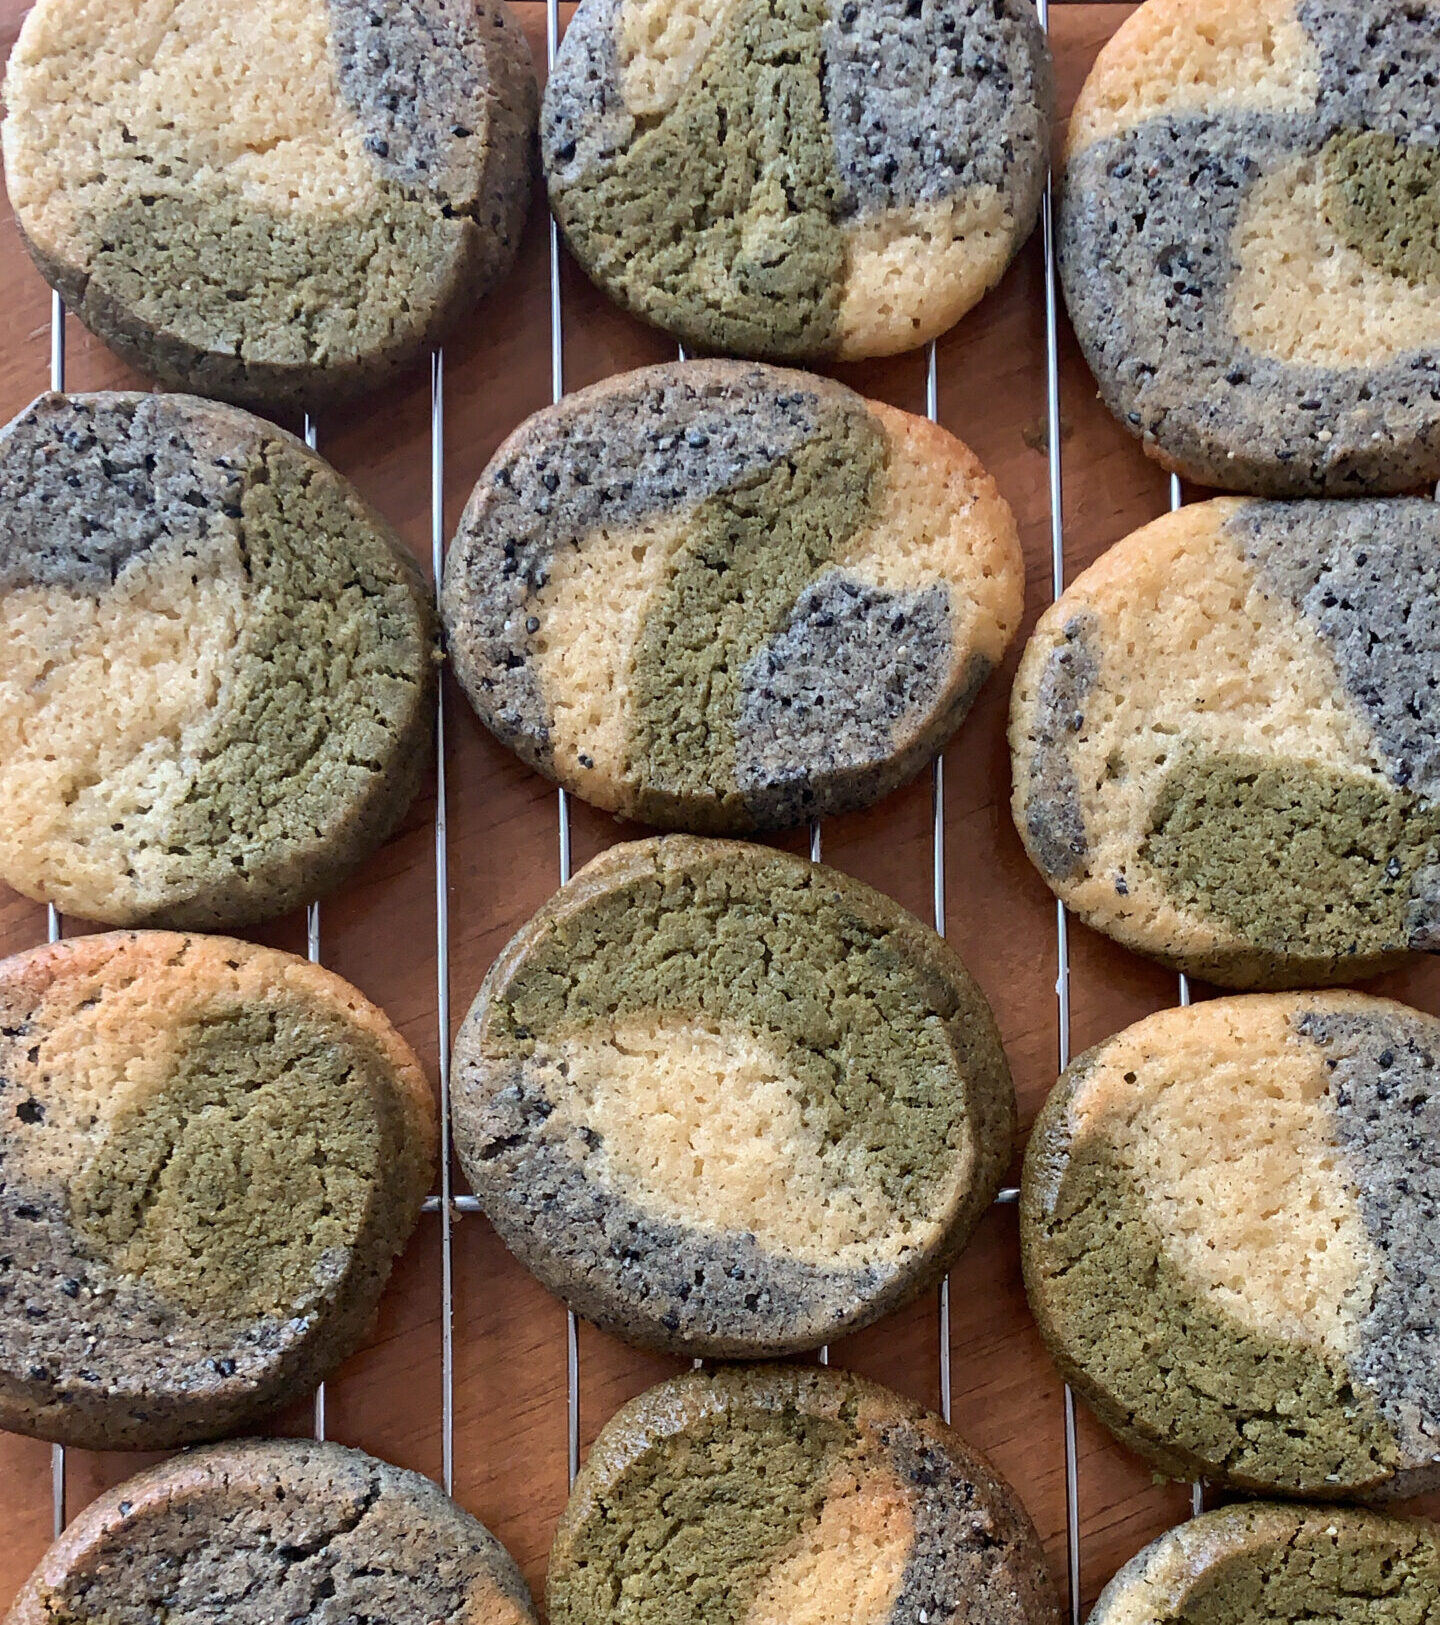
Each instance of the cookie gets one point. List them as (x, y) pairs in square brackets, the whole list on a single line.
[(1249, 241), (725, 1102), (721, 597), (212, 1154), (261, 1530), (1224, 740), (754, 1496), (798, 179), (1228, 1223), (216, 664), (1288, 1564), (280, 205)]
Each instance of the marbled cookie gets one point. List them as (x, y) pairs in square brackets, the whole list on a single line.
[(798, 179), (1229, 1224), (727, 1102), (264, 1530), (212, 1154), (216, 664), (1250, 240), (720, 597), (1281, 1565), (1225, 740), (770, 1495), (279, 204)]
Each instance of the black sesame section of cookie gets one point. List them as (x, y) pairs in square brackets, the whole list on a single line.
[(1366, 577), (1379, 66), (824, 698), (584, 122), (90, 482), (928, 98), (1385, 1103), (974, 1555), (1054, 819), (435, 86)]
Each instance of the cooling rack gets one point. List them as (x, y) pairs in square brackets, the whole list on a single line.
[(473, 1375)]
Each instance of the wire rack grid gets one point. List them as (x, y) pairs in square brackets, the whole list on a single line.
[(448, 1204)]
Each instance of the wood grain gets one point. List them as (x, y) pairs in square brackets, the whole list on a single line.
[(509, 1396)]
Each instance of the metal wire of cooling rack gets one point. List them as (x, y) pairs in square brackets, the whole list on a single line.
[(448, 1205)]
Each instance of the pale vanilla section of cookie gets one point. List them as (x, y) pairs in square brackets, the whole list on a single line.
[(807, 179), (213, 1152), (278, 1529), (1228, 1214), (1224, 740), (278, 204), (718, 596), (216, 664), (1250, 241), (1286, 1565), (727, 1102), (806, 1496)]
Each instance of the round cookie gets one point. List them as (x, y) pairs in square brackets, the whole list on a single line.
[(213, 1152), (216, 664), (1289, 1565), (1224, 740), (766, 1495), (281, 204), (1228, 1221), (261, 1530), (798, 179), (1249, 240), (721, 597), (726, 1102)]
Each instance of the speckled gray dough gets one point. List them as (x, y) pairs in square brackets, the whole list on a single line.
[(1366, 577), (919, 99), (1145, 220), (268, 1529), (1387, 1116), (691, 436)]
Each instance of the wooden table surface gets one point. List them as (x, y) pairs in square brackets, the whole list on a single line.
[(380, 932)]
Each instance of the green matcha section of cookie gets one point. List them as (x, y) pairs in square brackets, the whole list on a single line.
[(1159, 1358), (325, 677), (859, 1028), (693, 1529), (1350, 1572), (238, 1187), (1383, 195), (732, 586), (1292, 853), (718, 221), (285, 288)]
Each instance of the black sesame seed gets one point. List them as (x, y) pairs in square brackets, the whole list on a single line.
[(30, 1111), (378, 145), (532, 624)]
